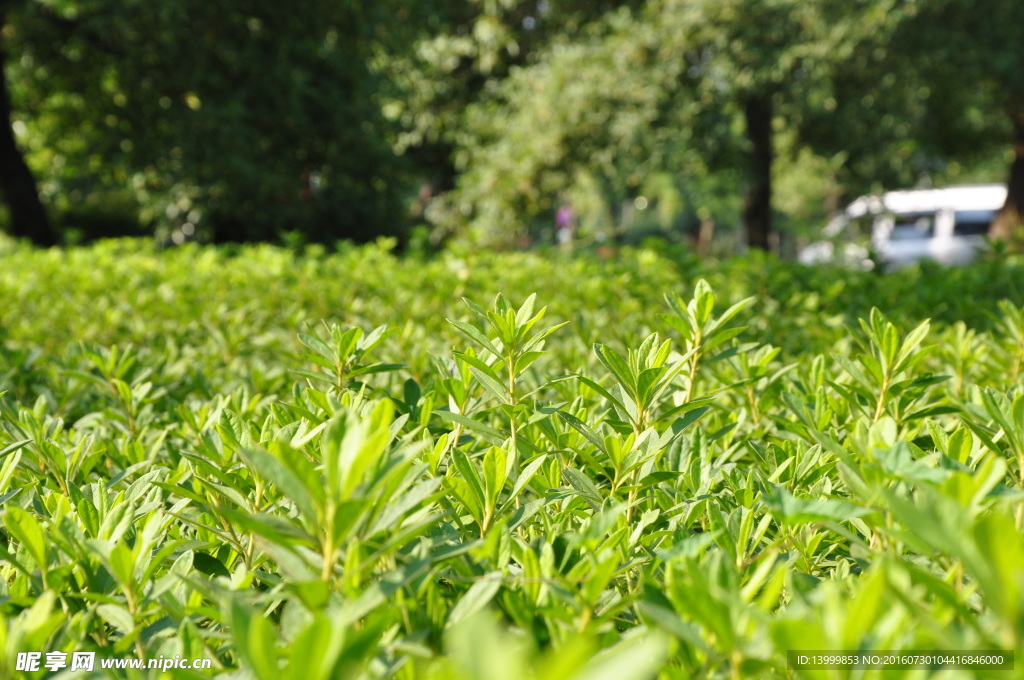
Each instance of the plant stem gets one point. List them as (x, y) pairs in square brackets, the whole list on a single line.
[(327, 570), (511, 363), (880, 406)]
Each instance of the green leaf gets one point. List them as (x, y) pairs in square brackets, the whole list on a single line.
[(602, 391), (681, 424), (487, 377), (472, 424), (585, 486), (29, 533), (732, 311), (912, 344), (647, 383), (583, 429), (467, 470), (255, 641), (12, 447), (795, 511), (526, 475), (371, 369), (703, 303), (290, 484), (618, 367), (525, 360), (209, 565), (122, 565), (350, 446), (314, 652), (324, 356), (117, 616), (495, 472), (274, 528), (637, 657), (475, 599), (474, 334), (691, 546), (961, 443)]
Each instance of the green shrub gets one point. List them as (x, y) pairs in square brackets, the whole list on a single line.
[(328, 465)]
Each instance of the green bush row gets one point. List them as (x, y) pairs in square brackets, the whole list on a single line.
[(326, 465)]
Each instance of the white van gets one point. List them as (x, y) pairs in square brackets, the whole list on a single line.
[(946, 225)]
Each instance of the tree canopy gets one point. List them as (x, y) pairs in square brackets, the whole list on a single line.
[(235, 122), (350, 120)]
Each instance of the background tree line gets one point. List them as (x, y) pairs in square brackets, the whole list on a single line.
[(350, 119)]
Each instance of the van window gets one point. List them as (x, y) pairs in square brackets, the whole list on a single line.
[(973, 222), (911, 226)]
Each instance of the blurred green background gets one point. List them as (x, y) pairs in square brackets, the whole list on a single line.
[(713, 123)]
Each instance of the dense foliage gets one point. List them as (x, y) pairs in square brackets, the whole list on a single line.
[(352, 119), (691, 105), (328, 465), (212, 120)]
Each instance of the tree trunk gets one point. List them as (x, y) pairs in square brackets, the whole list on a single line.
[(28, 217), (1008, 223), (705, 235), (757, 207)]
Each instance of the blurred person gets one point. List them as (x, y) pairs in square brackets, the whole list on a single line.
[(565, 225)]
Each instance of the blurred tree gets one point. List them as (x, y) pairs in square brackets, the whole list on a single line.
[(764, 65), (432, 81), (28, 218), (892, 109), (969, 60), (689, 87), (942, 85), (592, 106), (235, 122), (226, 120)]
